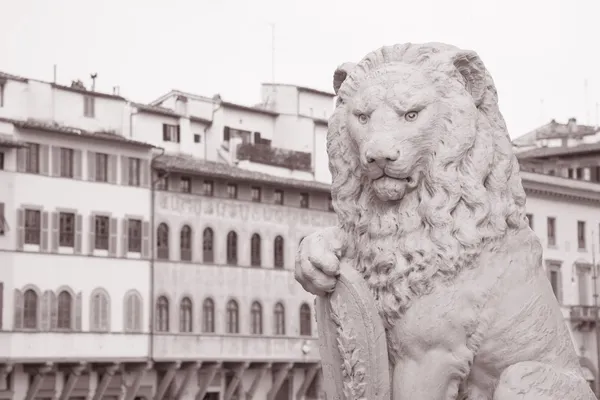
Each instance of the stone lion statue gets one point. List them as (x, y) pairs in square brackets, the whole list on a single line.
[(431, 214)]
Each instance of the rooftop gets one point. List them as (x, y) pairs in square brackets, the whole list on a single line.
[(303, 89), (557, 130), (547, 152)]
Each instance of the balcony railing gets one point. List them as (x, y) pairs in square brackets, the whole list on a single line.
[(265, 154), (584, 317)]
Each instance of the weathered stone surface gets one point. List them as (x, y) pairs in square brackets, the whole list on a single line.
[(432, 246)]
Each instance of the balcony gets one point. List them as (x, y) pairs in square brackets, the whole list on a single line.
[(265, 154), (584, 318), (235, 348)]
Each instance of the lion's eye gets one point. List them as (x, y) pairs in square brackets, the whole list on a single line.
[(363, 119), (411, 115)]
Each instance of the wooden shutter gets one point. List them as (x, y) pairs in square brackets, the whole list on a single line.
[(78, 307), (91, 162), (144, 173), (46, 310), (20, 228), (22, 159), (112, 168), (44, 233), (77, 164), (178, 133), (44, 159), (125, 237), (18, 307), (53, 311), (78, 228), (55, 160), (165, 135), (54, 232), (226, 134), (112, 242), (124, 170), (92, 236), (1, 303), (145, 239)]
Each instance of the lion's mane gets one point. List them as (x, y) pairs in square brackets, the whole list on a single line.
[(470, 197)]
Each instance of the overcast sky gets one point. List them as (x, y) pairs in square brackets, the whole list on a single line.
[(536, 49)]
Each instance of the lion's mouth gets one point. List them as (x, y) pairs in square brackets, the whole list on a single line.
[(407, 179)]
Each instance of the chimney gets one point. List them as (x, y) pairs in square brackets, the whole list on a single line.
[(572, 125), (116, 90)]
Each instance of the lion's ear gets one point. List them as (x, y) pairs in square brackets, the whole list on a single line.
[(472, 69), (340, 75)]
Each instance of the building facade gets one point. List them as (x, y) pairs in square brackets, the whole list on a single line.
[(147, 250)]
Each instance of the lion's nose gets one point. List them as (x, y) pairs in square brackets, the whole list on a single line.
[(381, 156)]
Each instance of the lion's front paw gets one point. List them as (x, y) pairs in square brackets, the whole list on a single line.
[(318, 261)]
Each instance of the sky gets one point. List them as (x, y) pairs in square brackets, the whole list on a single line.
[(539, 52)]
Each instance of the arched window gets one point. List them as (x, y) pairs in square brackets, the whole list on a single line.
[(278, 252), (233, 317), (232, 258), (162, 314), (64, 312), (256, 318), (185, 315), (208, 316), (255, 250), (162, 242), (133, 312), (279, 319), (99, 311), (30, 309), (207, 246), (185, 243), (305, 320)]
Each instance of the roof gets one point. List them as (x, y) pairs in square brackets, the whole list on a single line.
[(10, 141), (564, 187), (88, 92), (4, 76), (53, 127), (557, 130), (305, 89), (545, 152), (189, 164)]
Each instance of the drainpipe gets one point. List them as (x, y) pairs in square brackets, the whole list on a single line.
[(153, 183), (131, 114)]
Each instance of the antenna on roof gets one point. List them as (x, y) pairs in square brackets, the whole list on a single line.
[(54, 75), (94, 76), (272, 52), (587, 106)]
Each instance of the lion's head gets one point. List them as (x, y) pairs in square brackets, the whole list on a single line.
[(423, 171)]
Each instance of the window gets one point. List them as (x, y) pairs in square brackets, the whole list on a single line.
[(208, 188), (583, 283), (305, 320), (3, 223), (587, 174), (197, 138), (101, 232), (330, 204), (278, 252), (134, 236), (185, 315), (66, 162), (30, 309), (1, 160), (554, 275), (101, 167), (551, 231), (530, 220), (162, 242), (256, 318), (2, 94), (278, 196), (65, 304), (207, 246), (232, 191), (232, 248), (134, 171), (162, 314), (89, 106), (581, 235), (255, 250), (171, 133), (66, 237), (186, 243), (256, 194), (32, 158), (571, 173), (133, 312), (208, 316), (33, 226), (185, 185), (226, 134), (279, 320), (579, 173), (99, 311), (162, 183), (232, 323), (304, 200)]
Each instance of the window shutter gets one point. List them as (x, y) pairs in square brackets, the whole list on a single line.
[(78, 306), (124, 170), (226, 133), (55, 160), (165, 134), (144, 173), (145, 239), (20, 228), (112, 244), (77, 167), (92, 244), (44, 238), (53, 311), (54, 232), (22, 159), (46, 310), (125, 237), (18, 307), (178, 133), (44, 159), (1, 303), (91, 161), (112, 168), (78, 226)]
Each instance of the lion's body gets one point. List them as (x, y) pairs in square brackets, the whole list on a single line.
[(454, 268)]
